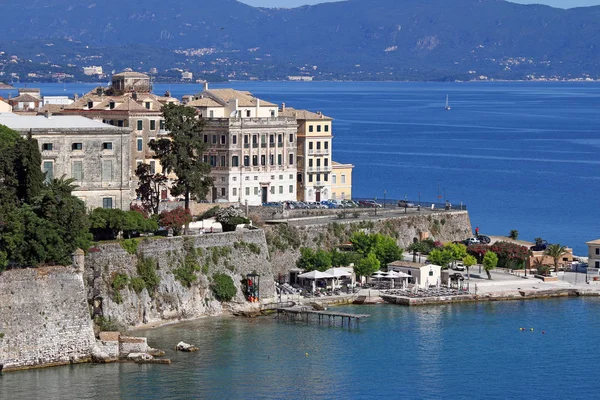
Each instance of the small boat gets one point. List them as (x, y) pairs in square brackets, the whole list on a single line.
[(447, 108)]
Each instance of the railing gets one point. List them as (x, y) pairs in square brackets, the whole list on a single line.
[(424, 204)]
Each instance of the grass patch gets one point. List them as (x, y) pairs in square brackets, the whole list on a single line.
[(130, 245)]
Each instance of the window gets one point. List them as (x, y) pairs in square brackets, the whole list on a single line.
[(272, 113), (263, 160), (247, 178), (223, 161), (205, 138), (205, 159), (107, 146), (211, 114), (255, 160), (310, 177), (234, 192), (77, 170), (280, 189), (325, 177), (272, 189), (333, 179), (255, 191), (140, 144), (280, 177), (223, 192), (318, 162), (152, 125), (271, 159), (107, 170), (318, 145), (140, 125), (272, 140), (326, 162), (291, 176), (291, 159), (90, 104), (138, 162), (120, 123), (310, 145), (263, 139), (246, 161), (234, 178), (213, 161), (47, 146), (326, 129), (255, 178), (430, 273), (148, 105), (152, 167), (310, 163), (223, 139), (326, 145), (235, 161), (254, 140), (245, 139), (318, 177), (343, 179), (598, 251), (280, 139), (291, 188), (318, 128), (310, 128), (107, 202), (248, 113), (247, 191), (214, 139), (76, 146), (48, 168), (597, 264), (234, 139), (279, 159), (162, 124), (291, 138)]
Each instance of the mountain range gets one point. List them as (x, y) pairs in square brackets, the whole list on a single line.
[(355, 39)]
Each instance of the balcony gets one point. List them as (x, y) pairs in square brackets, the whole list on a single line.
[(279, 144), (263, 145), (246, 145)]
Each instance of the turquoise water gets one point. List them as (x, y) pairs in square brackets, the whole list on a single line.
[(467, 351), (521, 155)]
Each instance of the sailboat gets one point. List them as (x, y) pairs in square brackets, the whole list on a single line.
[(447, 108)]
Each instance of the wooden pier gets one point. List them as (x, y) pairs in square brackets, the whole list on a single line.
[(309, 315)]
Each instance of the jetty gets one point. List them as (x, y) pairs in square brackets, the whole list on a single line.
[(310, 315)]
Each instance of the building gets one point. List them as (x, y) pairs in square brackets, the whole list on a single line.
[(252, 147), (96, 155), (4, 106), (27, 100), (57, 100), (423, 275), (341, 181), (540, 256), (127, 103), (93, 70), (594, 256)]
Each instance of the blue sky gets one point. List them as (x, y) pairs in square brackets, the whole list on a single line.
[(296, 3)]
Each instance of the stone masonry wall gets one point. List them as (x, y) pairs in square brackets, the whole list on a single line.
[(235, 254), (285, 241), (44, 318)]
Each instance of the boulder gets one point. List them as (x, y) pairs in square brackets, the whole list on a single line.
[(139, 357), (182, 346)]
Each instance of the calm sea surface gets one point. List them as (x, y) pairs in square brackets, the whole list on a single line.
[(522, 156), (468, 351)]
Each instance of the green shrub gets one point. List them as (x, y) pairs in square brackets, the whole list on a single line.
[(107, 325), (130, 245), (223, 288), (146, 268), (205, 268), (137, 284), (119, 282), (209, 213), (1, 335)]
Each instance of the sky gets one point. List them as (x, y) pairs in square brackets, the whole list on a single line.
[(296, 3)]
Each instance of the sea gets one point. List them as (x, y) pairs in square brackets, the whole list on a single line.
[(519, 155), (453, 351)]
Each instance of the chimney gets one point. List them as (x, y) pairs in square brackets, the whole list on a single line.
[(75, 97), (282, 107), (48, 114), (320, 114), (205, 86)]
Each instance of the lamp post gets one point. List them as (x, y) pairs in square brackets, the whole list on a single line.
[(419, 202), (384, 193)]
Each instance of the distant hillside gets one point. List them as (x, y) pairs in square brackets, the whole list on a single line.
[(355, 39)]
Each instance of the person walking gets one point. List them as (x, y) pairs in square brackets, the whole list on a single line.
[(477, 232)]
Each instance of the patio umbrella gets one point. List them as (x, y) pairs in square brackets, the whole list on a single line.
[(315, 275), (337, 273)]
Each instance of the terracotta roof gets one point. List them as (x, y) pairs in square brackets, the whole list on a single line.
[(130, 105), (26, 98), (303, 115), (53, 108), (245, 99), (5, 86), (206, 102)]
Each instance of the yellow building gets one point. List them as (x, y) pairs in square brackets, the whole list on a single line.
[(314, 154), (341, 181)]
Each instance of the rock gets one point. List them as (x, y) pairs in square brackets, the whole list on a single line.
[(137, 357), (100, 357), (181, 346), (155, 352)]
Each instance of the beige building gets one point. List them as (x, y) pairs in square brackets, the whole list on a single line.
[(341, 181), (4, 106), (96, 155), (540, 256), (252, 147), (27, 100), (127, 103), (422, 275), (594, 256)]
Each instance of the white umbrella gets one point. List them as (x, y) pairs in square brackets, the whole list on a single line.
[(315, 275), (338, 272)]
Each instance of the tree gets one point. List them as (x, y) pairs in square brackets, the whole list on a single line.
[(469, 261), (384, 247), (514, 234), (556, 251), (367, 266), (458, 250), (175, 219), (311, 260), (490, 260), (181, 153), (342, 258), (149, 188), (441, 257), (510, 255), (223, 287), (230, 218)]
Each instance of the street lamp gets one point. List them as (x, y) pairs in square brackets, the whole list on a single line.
[(419, 202), (384, 193)]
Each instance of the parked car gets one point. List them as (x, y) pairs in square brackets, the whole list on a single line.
[(369, 204), (472, 240), (405, 204), (541, 246), (459, 266), (350, 204), (484, 239)]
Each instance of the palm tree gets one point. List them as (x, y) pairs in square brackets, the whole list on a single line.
[(556, 251), (62, 186)]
